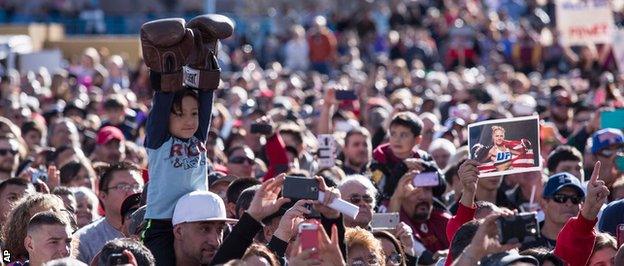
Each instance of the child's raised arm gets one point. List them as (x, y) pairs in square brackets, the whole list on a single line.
[(157, 130), (205, 114)]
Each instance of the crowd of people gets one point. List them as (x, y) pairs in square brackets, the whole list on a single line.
[(104, 165)]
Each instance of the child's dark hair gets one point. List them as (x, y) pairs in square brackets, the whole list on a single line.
[(409, 120), (176, 107)]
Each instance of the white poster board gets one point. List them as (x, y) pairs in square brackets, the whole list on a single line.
[(581, 22), (50, 59)]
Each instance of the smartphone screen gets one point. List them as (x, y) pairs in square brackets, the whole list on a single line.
[(426, 179)]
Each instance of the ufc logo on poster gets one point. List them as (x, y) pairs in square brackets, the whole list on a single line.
[(191, 77), (326, 151), (503, 156)]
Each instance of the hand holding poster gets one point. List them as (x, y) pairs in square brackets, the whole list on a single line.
[(505, 146), (583, 22)]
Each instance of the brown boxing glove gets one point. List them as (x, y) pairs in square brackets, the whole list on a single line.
[(202, 70), (166, 45)]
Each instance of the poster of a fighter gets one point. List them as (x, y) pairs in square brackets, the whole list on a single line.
[(505, 146)]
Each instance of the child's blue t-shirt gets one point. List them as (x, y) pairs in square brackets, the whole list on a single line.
[(176, 166)]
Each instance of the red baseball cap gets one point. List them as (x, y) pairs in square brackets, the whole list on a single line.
[(107, 134)]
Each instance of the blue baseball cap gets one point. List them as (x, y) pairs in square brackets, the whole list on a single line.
[(606, 137), (612, 216), (559, 181)]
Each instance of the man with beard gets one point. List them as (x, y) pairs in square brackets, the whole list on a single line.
[(356, 151), (360, 191), (110, 146), (9, 156), (198, 232), (415, 207)]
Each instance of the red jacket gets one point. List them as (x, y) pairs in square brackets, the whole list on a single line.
[(464, 214), (275, 151), (575, 242)]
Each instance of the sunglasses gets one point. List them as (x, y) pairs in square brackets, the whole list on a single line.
[(240, 160), (4, 152), (611, 151), (559, 198), (356, 198)]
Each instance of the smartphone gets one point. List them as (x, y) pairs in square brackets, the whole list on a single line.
[(308, 236), (519, 228), (620, 234), (345, 95), (260, 128), (297, 187), (426, 179), (117, 259), (619, 162), (326, 151), (385, 221), (612, 119)]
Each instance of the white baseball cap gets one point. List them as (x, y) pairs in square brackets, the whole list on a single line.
[(200, 206)]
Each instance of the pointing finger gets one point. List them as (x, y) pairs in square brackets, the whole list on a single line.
[(595, 173)]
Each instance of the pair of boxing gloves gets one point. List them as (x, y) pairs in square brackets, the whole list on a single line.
[(481, 152), (179, 52)]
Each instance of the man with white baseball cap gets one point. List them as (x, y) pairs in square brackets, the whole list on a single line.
[(198, 222)]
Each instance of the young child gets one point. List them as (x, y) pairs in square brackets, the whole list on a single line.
[(179, 121), (388, 159)]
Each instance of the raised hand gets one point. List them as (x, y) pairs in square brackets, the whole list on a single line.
[(485, 242), (403, 189), (329, 250), (330, 194), (597, 193), (54, 177), (290, 220), (468, 176), (266, 201), (405, 235)]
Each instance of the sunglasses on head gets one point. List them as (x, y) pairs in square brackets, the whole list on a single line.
[(4, 152), (356, 198), (560, 198), (240, 160), (610, 151)]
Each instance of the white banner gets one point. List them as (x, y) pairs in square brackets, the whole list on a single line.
[(582, 22)]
